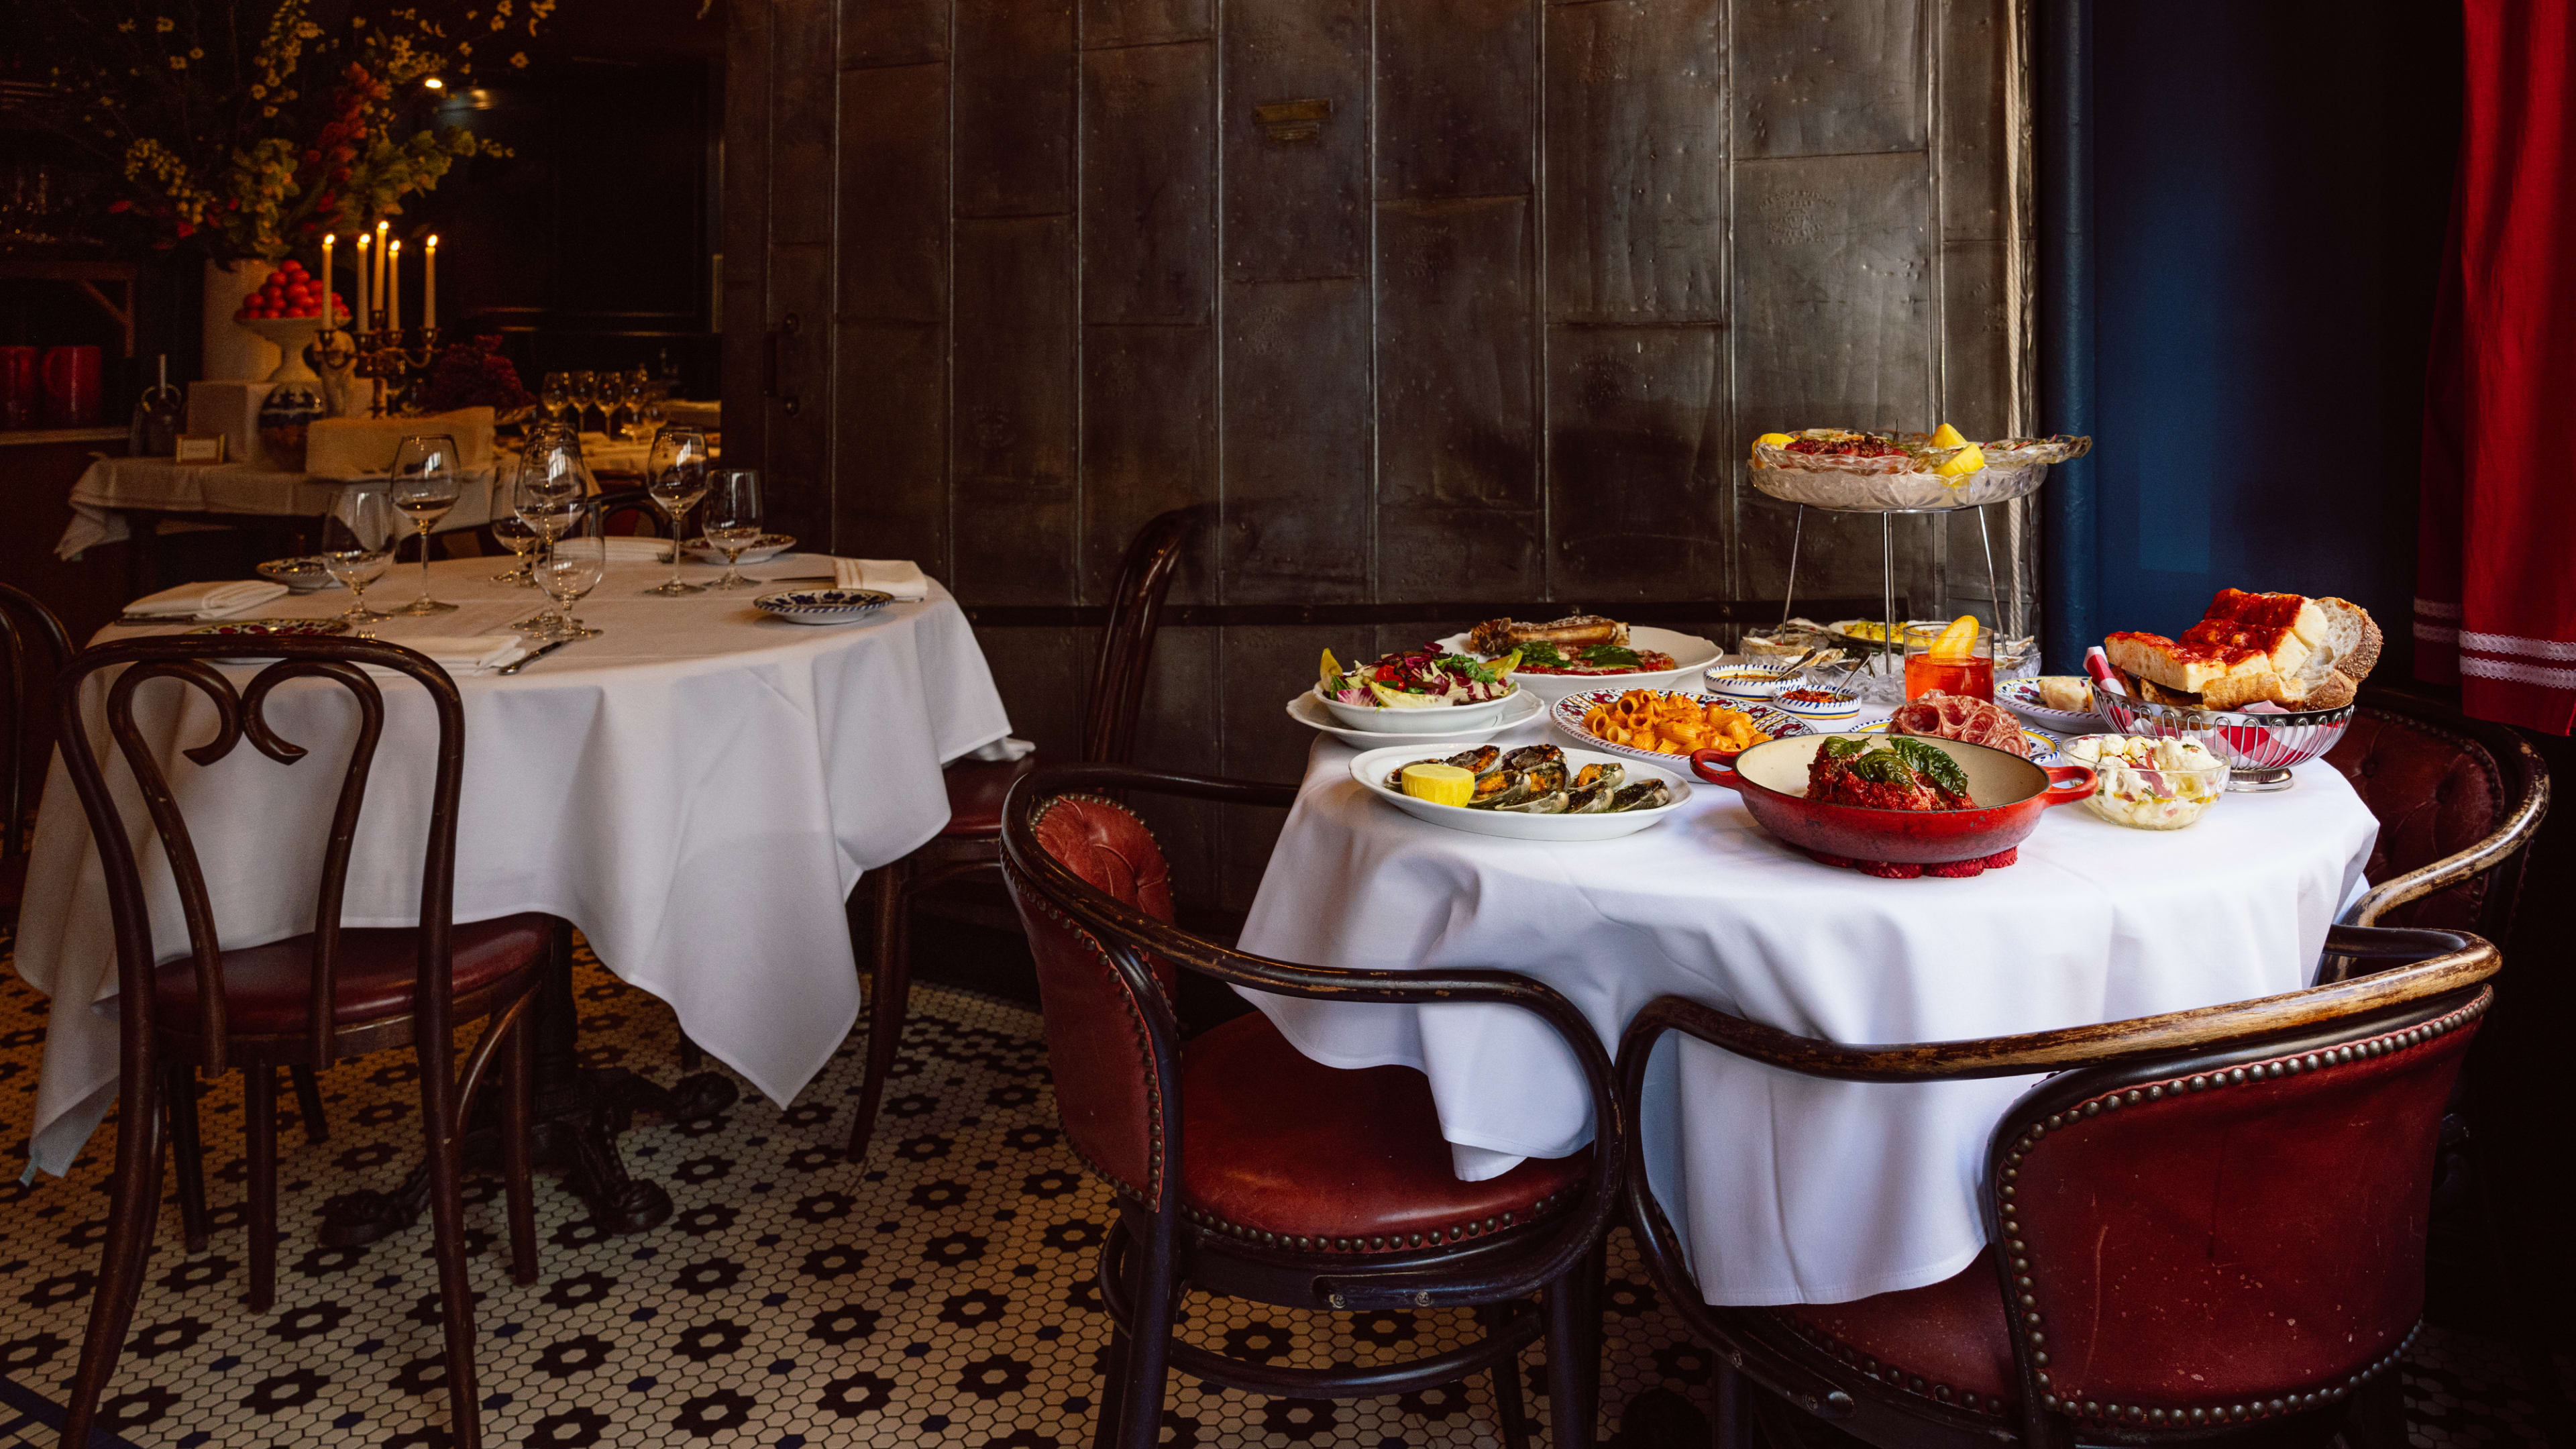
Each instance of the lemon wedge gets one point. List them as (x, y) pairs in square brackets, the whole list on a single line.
[(1967, 460), (1957, 641), (1946, 436), (1777, 440), (1438, 783)]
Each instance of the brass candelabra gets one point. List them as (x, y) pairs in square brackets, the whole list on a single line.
[(389, 360)]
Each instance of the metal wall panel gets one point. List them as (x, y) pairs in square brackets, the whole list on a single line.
[(1636, 162), (1148, 183), (1296, 130), (1441, 298)]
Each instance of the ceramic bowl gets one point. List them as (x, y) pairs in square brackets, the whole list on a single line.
[(303, 575), (1308, 709), (1751, 683), (1691, 654), (1438, 719), (1832, 714)]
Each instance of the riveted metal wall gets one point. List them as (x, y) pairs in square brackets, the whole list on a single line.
[(1424, 299)]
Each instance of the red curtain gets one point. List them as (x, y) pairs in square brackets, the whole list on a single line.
[(2496, 567)]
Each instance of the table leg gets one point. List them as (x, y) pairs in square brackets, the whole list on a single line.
[(575, 1120)]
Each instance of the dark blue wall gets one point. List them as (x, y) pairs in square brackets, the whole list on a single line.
[(2271, 189)]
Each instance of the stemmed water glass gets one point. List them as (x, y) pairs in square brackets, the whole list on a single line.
[(546, 499), (730, 520), (583, 389), (425, 485), (358, 546), (556, 396), (573, 564), (675, 478)]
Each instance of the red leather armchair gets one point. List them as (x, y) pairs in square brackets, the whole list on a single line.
[(2458, 799), (1246, 1168), (2209, 1224)]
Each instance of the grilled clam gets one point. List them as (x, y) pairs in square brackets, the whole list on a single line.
[(1480, 761), (1552, 803), (1505, 787), (1590, 800), (1529, 757), (1648, 795), (1611, 775)]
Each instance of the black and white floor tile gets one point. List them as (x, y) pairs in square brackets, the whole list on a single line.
[(939, 1295)]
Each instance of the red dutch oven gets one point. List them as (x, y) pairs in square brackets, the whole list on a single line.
[(2011, 795)]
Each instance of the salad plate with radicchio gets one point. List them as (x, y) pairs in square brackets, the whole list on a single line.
[(1587, 651), (1427, 690)]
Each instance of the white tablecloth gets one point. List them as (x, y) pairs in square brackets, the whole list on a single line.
[(1786, 1189), (111, 485), (698, 789)]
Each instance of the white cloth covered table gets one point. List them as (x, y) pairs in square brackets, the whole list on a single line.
[(1786, 1189), (697, 790), (111, 486)]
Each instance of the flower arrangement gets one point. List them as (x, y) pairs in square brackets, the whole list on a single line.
[(473, 374), (248, 128)]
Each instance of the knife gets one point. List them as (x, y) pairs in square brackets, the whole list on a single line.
[(532, 656)]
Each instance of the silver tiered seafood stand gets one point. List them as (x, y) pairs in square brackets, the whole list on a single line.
[(1906, 483)]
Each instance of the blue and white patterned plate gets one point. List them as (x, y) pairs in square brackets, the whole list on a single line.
[(822, 606)]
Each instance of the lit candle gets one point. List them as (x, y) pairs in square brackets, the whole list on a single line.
[(429, 284), (393, 285), (327, 240), (381, 254), (365, 320)]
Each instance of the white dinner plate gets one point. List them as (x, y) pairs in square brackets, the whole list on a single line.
[(1372, 767), (1691, 655), (1568, 714), (1309, 711), (2043, 748), (2021, 696)]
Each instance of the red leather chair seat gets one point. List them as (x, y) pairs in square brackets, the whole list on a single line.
[(2435, 794), (975, 791), (1283, 1147), (266, 988), (1948, 1336)]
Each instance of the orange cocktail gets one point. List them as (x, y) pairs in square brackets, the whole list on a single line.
[(1956, 659)]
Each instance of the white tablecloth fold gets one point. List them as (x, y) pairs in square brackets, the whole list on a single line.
[(1786, 1188), (697, 789)]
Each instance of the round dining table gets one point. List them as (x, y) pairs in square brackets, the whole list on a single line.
[(1784, 1188), (696, 789)]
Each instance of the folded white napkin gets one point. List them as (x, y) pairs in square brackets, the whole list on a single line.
[(899, 577), (210, 601), (639, 550), (466, 653)]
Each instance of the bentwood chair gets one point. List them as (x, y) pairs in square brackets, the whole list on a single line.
[(1245, 1168), (306, 1000), (2208, 1225), (33, 646), (2458, 800), (970, 843)]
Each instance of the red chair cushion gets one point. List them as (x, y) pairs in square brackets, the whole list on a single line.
[(1946, 1341), (1289, 1151), (975, 791), (267, 988), (2435, 794)]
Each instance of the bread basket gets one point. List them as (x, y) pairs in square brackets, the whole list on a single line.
[(2260, 749)]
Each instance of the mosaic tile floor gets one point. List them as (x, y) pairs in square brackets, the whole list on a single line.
[(939, 1296)]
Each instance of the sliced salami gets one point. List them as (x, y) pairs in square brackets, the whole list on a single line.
[(1957, 717)]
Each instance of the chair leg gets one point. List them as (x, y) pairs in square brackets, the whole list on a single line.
[(518, 1083), (259, 1118), (1140, 1408), (135, 1206), (447, 1227), (692, 1056), (308, 1104), (1509, 1407), (1572, 1335), (1732, 1422), (1113, 1386), (179, 1088), (889, 991)]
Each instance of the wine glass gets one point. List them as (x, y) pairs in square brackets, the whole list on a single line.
[(583, 389), (675, 478), (425, 485), (513, 532), (572, 566), (546, 499), (730, 519), (357, 548), (555, 397)]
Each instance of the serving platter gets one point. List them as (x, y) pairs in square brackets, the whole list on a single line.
[(2043, 747), (1691, 656), (1567, 714), (1371, 767), (822, 606), (1522, 707)]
